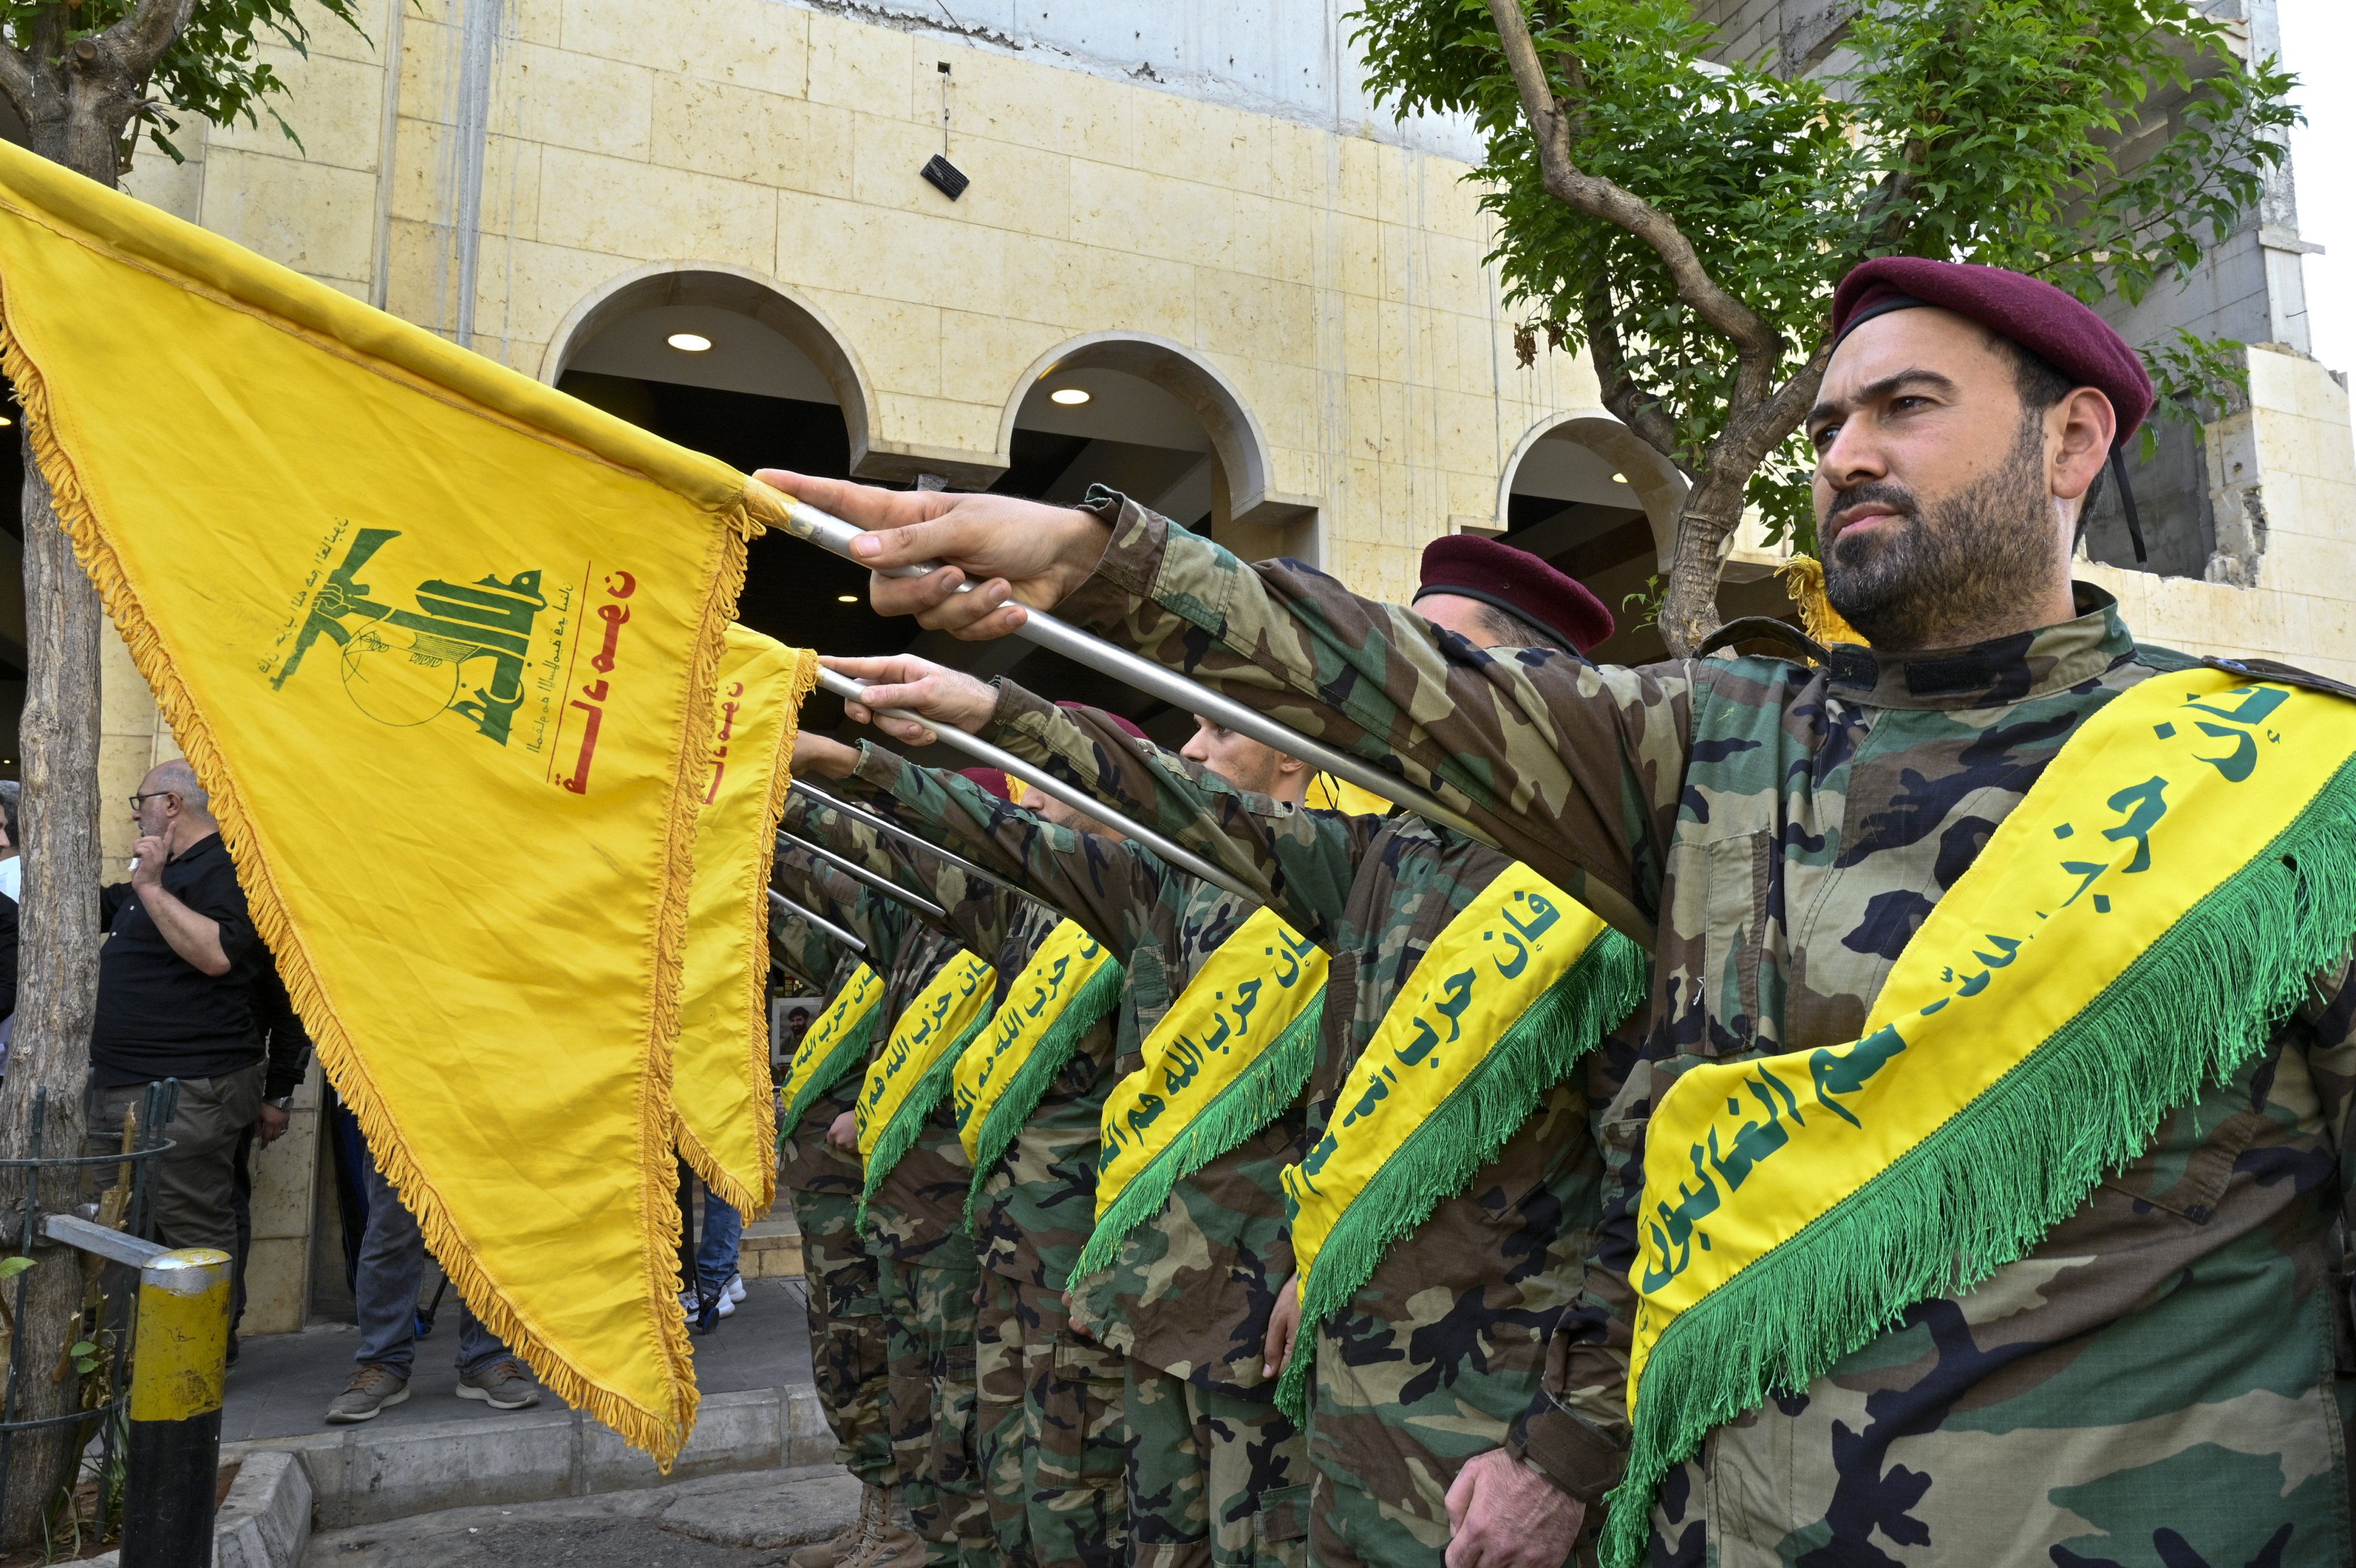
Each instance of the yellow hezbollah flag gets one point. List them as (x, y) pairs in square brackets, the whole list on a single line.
[(441, 642), (720, 1073)]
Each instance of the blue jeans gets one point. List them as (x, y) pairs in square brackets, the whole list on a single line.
[(715, 1258), (392, 1267)]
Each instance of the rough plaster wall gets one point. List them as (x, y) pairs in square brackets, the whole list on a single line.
[(1292, 59)]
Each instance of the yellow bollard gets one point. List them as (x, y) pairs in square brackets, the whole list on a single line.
[(179, 1358)]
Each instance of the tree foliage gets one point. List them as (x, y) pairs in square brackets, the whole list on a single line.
[(212, 66), (2016, 133)]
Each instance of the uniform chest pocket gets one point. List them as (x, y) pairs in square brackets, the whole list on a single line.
[(1720, 910)]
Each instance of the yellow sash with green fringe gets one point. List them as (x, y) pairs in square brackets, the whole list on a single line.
[(1070, 983), (831, 1045), (2131, 932), (1231, 1052), (909, 1076), (1515, 990)]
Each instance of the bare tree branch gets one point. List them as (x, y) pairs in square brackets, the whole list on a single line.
[(139, 40), (16, 80), (1622, 393), (1598, 198)]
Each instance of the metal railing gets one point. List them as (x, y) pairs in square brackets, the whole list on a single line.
[(151, 1361)]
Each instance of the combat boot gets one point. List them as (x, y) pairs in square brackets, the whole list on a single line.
[(853, 1539), (892, 1545)]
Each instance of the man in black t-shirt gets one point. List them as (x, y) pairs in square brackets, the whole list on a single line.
[(174, 999)]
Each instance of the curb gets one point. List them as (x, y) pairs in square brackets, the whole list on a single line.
[(266, 1520), (360, 1475)]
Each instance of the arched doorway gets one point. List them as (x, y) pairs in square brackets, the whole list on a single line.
[(731, 364), (1586, 493), (1152, 409)]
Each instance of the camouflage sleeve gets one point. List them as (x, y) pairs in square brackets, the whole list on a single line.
[(975, 912), (1576, 770), (1576, 1429), (1116, 893), (804, 950), (874, 919), (806, 817), (1300, 863)]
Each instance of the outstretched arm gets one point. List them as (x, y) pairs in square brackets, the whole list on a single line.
[(1576, 770)]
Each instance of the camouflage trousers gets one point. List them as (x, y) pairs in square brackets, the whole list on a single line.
[(849, 1352), (1390, 1424), (1051, 1423), (929, 1405), (1212, 1479)]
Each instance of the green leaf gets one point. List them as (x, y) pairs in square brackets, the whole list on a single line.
[(11, 1267)]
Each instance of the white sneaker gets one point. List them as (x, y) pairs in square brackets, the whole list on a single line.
[(727, 1306), (737, 1287), (687, 1302)]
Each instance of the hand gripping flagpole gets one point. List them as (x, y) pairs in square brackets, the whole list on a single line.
[(830, 533), (988, 755), (820, 922), (859, 872), (885, 826)]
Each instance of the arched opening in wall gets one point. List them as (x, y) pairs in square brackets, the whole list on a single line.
[(1589, 496), (726, 365), (1128, 415)]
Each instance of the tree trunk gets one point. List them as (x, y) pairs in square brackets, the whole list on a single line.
[(1689, 607), (58, 941)]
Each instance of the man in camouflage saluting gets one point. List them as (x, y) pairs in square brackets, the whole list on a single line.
[(1049, 1404), (2128, 1359), (850, 1347), (1437, 1349), (1214, 1470), (915, 1217)]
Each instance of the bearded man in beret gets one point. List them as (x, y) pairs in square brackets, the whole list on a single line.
[(2052, 1114)]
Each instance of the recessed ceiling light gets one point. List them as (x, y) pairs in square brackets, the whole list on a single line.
[(1618, 479), (1070, 397), (846, 598), (688, 343)]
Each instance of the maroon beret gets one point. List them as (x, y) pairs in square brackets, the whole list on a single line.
[(1126, 727), (991, 779), (1476, 567), (2049, 323)]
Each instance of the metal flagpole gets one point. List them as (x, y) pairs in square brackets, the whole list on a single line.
[(824, 925), (830, 533), (884, 824), (859, 872), (988, 755)]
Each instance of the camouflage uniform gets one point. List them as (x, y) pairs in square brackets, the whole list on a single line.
[(915, 1226), (2156, 1382), (1442, 1348), (850, 1348), (1050, 1400), (1188, 1302)]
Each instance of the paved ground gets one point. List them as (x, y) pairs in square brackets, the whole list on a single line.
[(282, 1383), (722, 1521)]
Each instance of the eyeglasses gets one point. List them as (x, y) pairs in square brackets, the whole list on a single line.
[(151, 795)]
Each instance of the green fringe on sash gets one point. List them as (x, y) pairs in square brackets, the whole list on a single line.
[(1980, 1192), (907, 1124), (1029, 1084), (850, 1049), (1463, 1133), (1257, 1097)]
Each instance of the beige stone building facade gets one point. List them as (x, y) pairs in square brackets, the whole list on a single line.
[(1275, 300)]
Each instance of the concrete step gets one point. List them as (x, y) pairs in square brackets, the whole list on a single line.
[(724, 1521), (367, 1475)]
